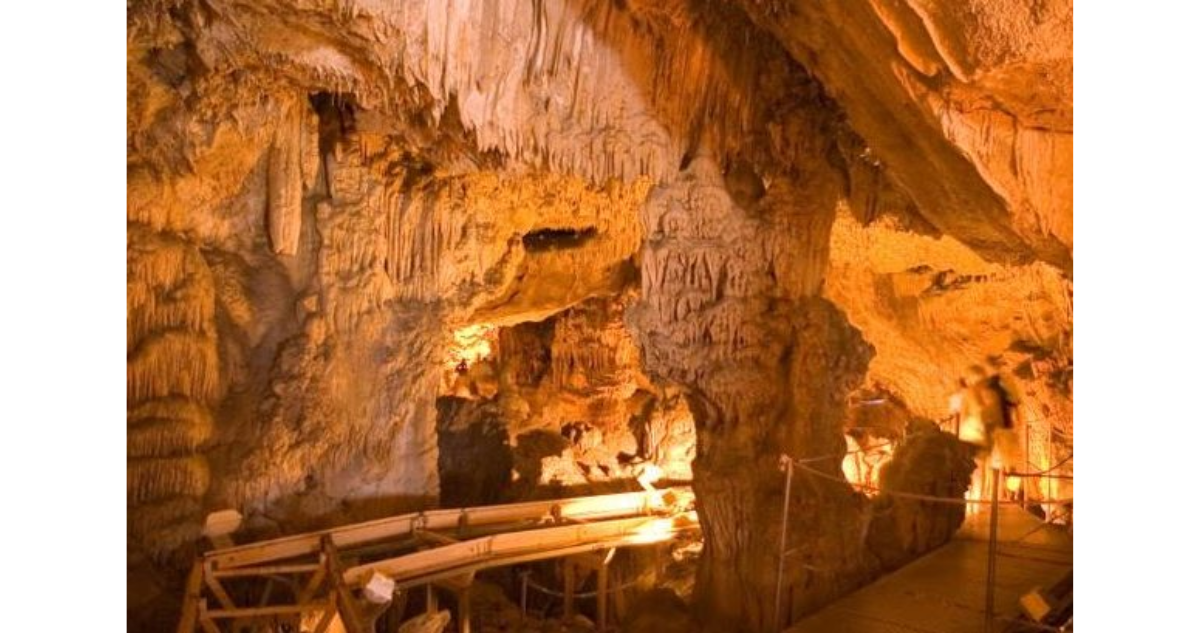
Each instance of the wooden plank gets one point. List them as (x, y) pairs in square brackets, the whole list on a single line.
[(597, 507), (268, 570), (626, 531), (191, 599), (263, 612)]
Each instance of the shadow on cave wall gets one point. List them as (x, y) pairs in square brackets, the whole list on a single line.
[(474, 459)]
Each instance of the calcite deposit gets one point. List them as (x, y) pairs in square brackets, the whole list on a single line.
[(386, 256)]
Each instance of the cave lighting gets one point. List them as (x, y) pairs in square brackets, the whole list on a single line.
[(471, 344), (861, 468), (650, 474), (659, 530)]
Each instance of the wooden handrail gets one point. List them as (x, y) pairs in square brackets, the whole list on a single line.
[(580, 508)]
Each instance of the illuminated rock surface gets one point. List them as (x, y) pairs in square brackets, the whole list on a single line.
[(383, 256)]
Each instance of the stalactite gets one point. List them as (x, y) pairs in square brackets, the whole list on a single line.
[(160, 478), (172, 377), (165, 524), (285, 180), (173, 363), (167, 437)]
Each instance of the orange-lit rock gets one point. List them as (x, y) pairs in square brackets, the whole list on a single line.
[(383, 256)]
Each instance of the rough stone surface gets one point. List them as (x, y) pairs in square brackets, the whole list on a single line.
[(575, 238)]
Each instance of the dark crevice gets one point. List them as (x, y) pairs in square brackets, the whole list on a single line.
[(555, 239)]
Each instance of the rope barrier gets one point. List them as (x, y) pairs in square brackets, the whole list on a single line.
[(1042, 473), (920, 497), (582, 596), (821, 458)]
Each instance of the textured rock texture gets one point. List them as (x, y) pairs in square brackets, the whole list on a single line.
[(573, 239), (968, 104)]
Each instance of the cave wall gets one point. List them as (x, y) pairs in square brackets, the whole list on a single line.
[(932, 308), (571, 408), (321, 198), (967, 103)]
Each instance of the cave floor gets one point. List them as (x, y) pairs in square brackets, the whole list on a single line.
[(944, 592)]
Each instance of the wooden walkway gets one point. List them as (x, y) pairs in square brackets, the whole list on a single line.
[(944, 591), (335, 576)]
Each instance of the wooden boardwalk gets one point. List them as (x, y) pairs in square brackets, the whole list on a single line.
[(944, 591), (326, 575)]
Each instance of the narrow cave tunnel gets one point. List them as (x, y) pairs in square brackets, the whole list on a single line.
[(578, 315)]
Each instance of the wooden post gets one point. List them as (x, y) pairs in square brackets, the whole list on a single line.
[(464, 611), (602, 597), (785, 462), (568, 589), (399, 610), (314, 581), (619, 606), (327, 619), (990, 611), (461, 586), (215, 586), (206, 622), (1028, 463), (345, 600), (431, 605), (191, 599), (524, 594)]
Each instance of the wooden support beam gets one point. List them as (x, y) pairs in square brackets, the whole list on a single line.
[(620, 606), (205, 618), (215, 586), (400, 604), (568, 589), (431, 605), (267, 570), (314, 581), (246, 613), (371, 612), (464, 611), (266, 595), (461, 587), (595, 561), (462, 582), (524, 594), (602, 595), (435, 538), (191, 599), (330, 613), (347, 605)]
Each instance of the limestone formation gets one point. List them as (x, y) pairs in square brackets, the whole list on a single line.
[(384, 256)]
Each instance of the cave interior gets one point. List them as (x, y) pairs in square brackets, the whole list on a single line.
[(684, 315)]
